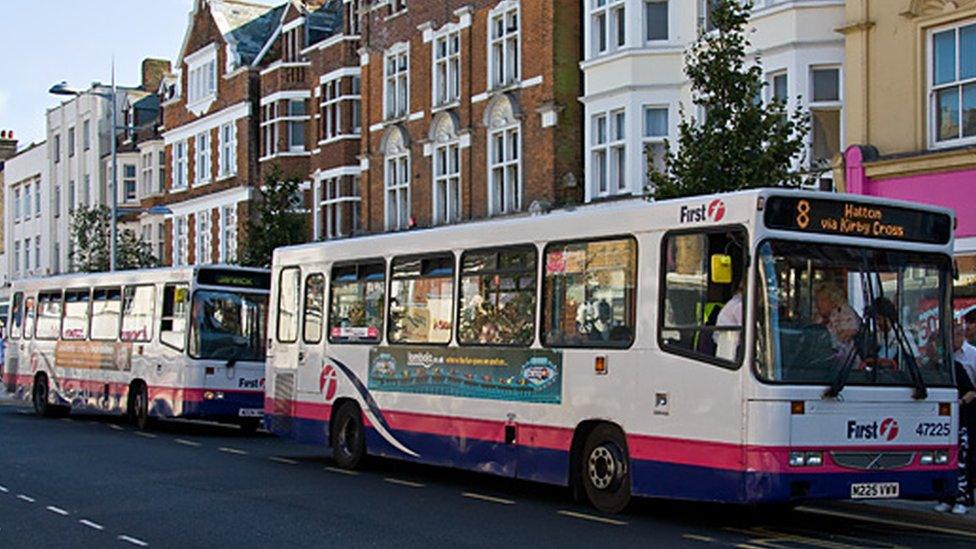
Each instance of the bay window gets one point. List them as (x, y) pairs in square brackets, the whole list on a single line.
[(953, 85)]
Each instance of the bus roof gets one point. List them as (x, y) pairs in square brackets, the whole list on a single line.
[(132, 276)]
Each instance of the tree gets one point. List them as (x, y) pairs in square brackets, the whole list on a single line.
[(276, 221), (90, 236), (740, 142)]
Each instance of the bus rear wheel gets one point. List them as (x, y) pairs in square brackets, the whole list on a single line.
[(604, 469), (39, 397), (348, 437), (139, 406)]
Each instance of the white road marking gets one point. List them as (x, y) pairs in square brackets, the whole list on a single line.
[(342, 471), (404, 482), (593, 518), (286, 461), (146, 435), (3, 489), (887, 522), (28, 499), (25, 413), (696, 537), (116, 427), (57, 510), (185, 442), (234, 451), (133, 540), (91, 524), (490, 499)]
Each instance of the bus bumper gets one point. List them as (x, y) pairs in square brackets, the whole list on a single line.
[(223, 405)]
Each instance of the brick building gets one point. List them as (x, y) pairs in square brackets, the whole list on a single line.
[(456, 95)]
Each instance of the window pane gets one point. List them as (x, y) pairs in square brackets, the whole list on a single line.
[(967, 52), (589, 293), (656, 19), (106, 310), (288, 301), (655, 122), (137, 313), (969, 110), (49, 315), (780, 88), (76, 307), (944, 56), (17, 315), (498, 293), (826, 85), (826, 134), (314, 307), (356, 313), (29, 311), (947, 113), (172, 329), (422, 300)]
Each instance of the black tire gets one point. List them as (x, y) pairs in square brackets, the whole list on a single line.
[(348, 437), (139, 406), (40, 394), (604, 469), (250, 426)]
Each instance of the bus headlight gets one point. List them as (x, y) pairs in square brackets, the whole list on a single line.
[(814, 459), (928, 458), (941, 457), (797, 459), (806, 459), (208, 395)]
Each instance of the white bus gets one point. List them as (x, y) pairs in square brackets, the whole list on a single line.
[(177, 342), (761, 346)]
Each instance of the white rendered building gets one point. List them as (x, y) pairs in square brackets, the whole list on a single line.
[(635, 85), (27, 216)]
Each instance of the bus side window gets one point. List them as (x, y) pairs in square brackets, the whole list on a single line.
[(17, 315), (590, 294), (703, 306), (422, 299), (172, 324), (356, 305), (77, 309), (498, 294), (48, 315), (138, 306), (314, 308), (29, 304), (288, 302), (106, 312)]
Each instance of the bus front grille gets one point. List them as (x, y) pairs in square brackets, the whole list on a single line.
[(873, 461)]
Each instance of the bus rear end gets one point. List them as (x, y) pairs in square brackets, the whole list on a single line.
[(853, 390)]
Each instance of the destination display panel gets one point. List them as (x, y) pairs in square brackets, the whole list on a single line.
[(857, 219), (233, 278)]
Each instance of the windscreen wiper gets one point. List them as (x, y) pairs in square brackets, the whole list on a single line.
[(845, 371)]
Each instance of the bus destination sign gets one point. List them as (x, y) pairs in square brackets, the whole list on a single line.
[(234, 278), (845, 218)]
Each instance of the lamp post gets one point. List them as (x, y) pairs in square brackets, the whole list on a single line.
[(64, 89)]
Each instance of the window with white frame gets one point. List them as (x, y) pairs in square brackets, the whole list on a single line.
[(56, 258), (72, 197), (330, 112), (396, 94), (293, 41), (297, 119), (952, 84), (447, 68), (160, 241), (27, 201), (228, 149), (203, 244), (778, 85), (356, 107), (37, 198), (447, 171), (57, 148), (202, 80), (228, 234), (609, 153), (504, 159), (71, 141), (86, 134), (656, 20), (180, 240), (608, 26), (146, 172), (17, 204), (339, 206), (655, 134), (57, 201), (270, 129), (86, 190), (825, 115), (27, 255), (706, 9), (397, 182), (179, 165), (129, 183), (202, 171), (161, 175), (37, 254), (352, 17), (17, 257), (397, 6), (504, 45)]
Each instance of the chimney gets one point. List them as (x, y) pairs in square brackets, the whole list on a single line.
[(153, 71), (8, 144)]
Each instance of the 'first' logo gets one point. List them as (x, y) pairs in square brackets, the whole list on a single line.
[(713, 211)]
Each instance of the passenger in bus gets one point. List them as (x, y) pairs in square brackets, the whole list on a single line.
[(961, 499), (835, 313), (727, 341)]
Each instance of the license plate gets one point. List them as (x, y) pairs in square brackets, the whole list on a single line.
[(874, 490), (250, 412)]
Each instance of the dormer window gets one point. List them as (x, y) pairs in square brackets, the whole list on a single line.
[(293, 45), (201, 68)]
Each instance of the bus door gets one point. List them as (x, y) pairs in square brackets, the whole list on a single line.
[(309, 359), (286, 350)]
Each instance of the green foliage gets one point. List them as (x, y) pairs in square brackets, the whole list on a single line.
[(741, 142), (90, 236), (276, 221)]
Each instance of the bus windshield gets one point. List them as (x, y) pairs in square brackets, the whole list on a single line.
[(864, 316), (228, 325)]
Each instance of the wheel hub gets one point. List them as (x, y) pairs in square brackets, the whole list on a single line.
[(604, 467)]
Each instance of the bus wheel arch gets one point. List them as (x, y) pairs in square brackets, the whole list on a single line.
[(137, 407), (600, 468), (347, 434)]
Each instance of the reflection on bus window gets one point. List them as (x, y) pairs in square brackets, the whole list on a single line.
[(106, 311), (137, 313), (172, 326), (498, 297), (314, 307), (48, 315), (228, 325), (356, 313), (29, 318), (288, 302), (703, 287), (590, 294), (821, 306), (17, 315), (422, 299), (76, 309)]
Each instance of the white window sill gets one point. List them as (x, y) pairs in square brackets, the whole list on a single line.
[(179, 190), (340, 137), (453, 104), (226, 176)]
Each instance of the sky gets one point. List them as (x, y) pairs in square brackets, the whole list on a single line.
[(43, 42)]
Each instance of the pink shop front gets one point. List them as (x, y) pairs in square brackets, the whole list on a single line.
[(944, 178)]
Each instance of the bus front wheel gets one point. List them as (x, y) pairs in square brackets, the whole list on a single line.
[(605, 469), (348, 436)]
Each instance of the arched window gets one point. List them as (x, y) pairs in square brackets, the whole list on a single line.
[(446, 169), (396, 179), (504, 156)]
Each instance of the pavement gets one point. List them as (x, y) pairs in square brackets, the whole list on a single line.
[(91, 481)]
